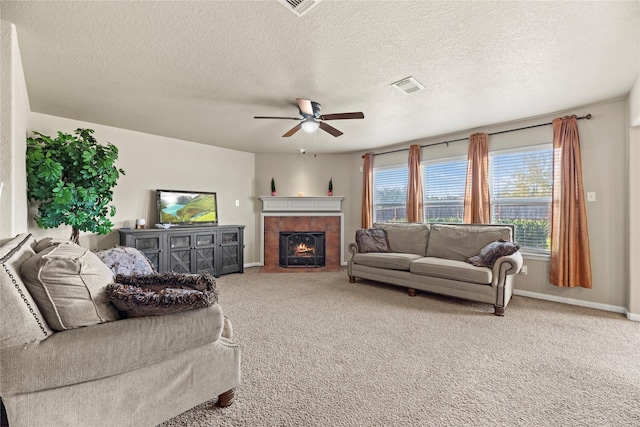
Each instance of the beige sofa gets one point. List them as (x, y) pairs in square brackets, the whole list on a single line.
[(433, 257), (130, 372)]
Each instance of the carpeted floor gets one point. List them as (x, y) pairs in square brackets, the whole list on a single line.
[(318, 351)]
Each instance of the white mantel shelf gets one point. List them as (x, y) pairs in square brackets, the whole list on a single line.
[(302, 203)]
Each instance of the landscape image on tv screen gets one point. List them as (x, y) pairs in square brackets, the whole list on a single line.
[(187, 207)]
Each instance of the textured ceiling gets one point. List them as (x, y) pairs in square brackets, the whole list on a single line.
[(201, 70)]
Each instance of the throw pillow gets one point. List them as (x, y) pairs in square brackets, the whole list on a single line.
[(68, 284), (47, 242), (159, 294), (372, 240), (126, 260), (494, 250)]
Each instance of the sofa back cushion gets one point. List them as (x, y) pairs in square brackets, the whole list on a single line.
[(406, 237), (461, 242), (69, 284), (21, 322)]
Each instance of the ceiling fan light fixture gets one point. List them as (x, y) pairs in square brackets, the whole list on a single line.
[(309, 125)]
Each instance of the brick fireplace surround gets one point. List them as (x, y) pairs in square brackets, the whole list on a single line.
[(313, 218)]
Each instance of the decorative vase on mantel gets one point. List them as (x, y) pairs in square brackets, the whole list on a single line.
[(330, 191), (273, 187)]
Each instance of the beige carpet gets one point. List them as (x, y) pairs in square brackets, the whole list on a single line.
[(318, 351)]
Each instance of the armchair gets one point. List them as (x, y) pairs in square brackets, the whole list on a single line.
[(130, 372)]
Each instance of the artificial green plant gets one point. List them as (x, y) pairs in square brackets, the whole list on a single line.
[(72, 176)]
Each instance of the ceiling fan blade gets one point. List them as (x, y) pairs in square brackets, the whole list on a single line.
[(327, 128), (305, 106), (342, 116), (293, 130), (269, 117)]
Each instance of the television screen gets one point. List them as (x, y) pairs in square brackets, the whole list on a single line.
[(187, 207)]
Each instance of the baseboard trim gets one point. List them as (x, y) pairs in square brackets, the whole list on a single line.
[(572, 301), (632, 316), (253, 264)]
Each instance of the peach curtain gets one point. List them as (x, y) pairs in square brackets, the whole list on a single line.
[(367, 191), (415, 212), (570, 253), (476, 197)]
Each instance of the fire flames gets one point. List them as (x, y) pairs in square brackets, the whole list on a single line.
[(304, 250)]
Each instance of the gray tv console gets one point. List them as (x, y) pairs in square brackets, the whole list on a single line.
[(216, 249)]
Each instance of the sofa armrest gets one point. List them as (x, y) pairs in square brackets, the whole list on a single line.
[(353, 248), (506, 266), (99, 351)]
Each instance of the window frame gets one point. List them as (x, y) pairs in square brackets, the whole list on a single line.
[(423, 168), (528, 251), (387, 168)]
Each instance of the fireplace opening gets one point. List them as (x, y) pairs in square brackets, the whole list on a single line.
[(302, 249)]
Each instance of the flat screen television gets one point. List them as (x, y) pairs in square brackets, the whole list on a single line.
[(183, 208)]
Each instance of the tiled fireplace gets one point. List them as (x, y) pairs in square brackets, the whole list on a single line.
[(290, 225)]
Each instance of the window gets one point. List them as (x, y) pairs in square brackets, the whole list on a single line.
[(520, 186), (443, 184), (520, 183), (390, 194)]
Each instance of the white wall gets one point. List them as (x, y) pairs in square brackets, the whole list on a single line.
[(633, 256), (151, 162), (14, 127), (634, 104)]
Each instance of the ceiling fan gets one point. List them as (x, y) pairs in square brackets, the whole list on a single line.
[(312, 119)]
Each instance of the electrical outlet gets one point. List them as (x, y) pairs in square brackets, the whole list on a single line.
[(237, 202), (524, 271)]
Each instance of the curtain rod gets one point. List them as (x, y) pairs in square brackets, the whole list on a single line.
[(588, 117)]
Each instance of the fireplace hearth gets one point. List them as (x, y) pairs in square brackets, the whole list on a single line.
[(302, 249)]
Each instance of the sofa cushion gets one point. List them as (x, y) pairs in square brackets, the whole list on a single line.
[(68, 283), (451, 269), (372, 240), (406, 237), (494, 250), (21, 321), (160, 294), (108, 349), (126, 260), (391, 260), (461, 242)]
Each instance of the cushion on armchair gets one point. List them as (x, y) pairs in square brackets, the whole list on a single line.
[(158, 294)]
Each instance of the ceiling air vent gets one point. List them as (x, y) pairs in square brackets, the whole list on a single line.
[(299, 7), (408, 85)]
